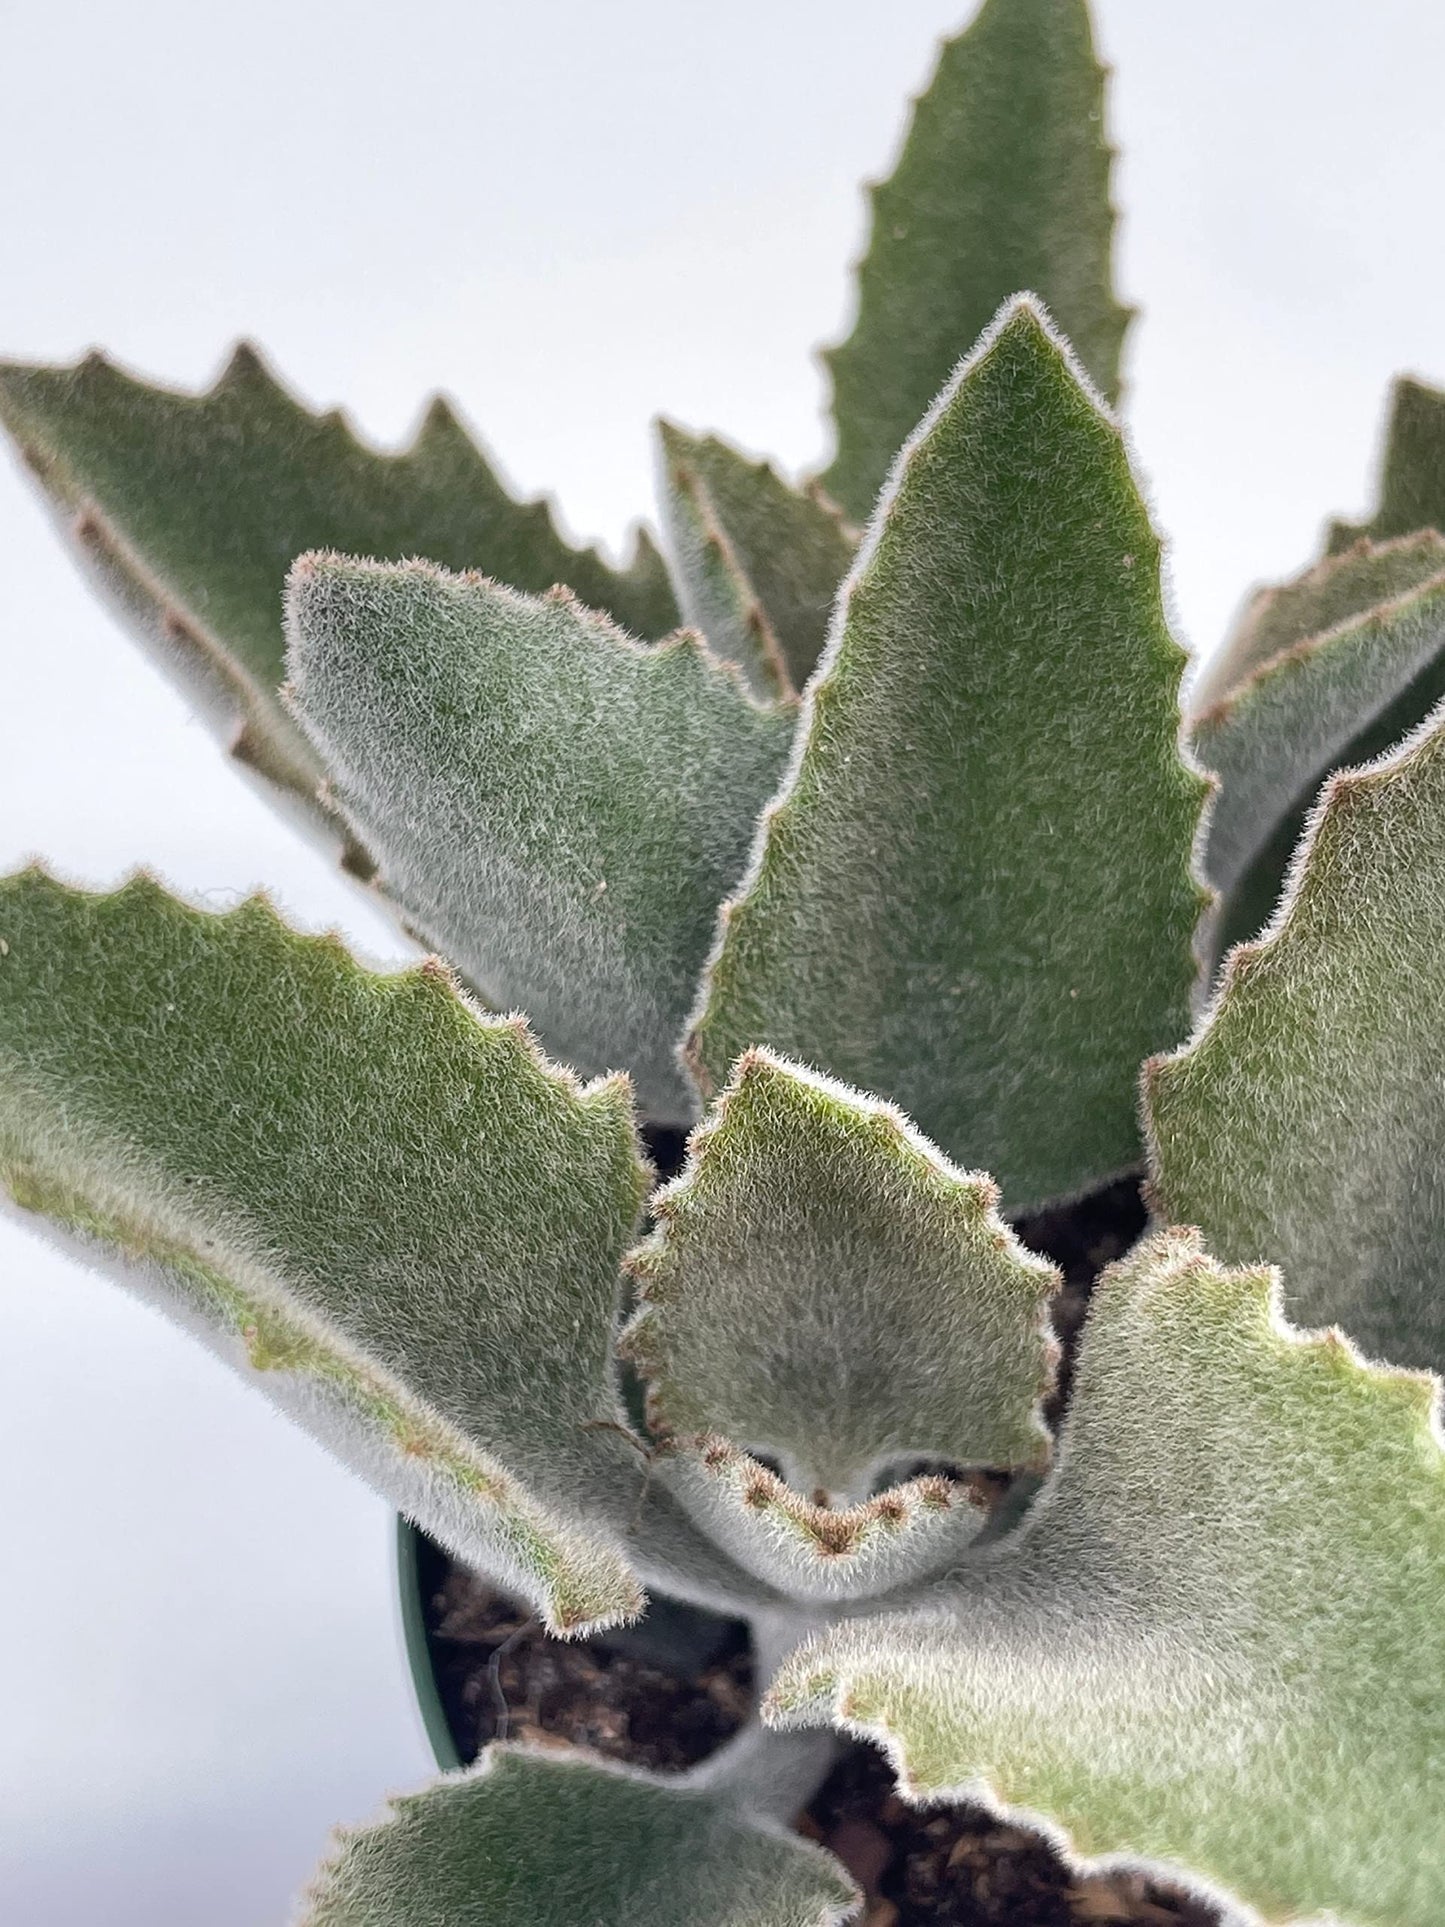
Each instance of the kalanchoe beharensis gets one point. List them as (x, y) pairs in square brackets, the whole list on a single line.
[(885, 872)]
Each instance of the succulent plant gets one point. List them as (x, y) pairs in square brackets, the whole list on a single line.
[(886, 871)]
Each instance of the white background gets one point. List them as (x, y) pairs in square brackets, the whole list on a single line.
[(569, 216)]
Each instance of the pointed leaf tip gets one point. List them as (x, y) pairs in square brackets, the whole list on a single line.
[(758, 563), (556, 806), (1412, 471), (1002, 677), (1002, 183)]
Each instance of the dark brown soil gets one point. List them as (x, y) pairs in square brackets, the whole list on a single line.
[(959, 1867), (668, 1693), (1081, 1239), (640, 1696)]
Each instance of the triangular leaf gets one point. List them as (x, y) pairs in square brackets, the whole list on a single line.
[(1216, 1640), (1304, 1121), (1412, 474), (825, 1289), (555, 806), (758, 564), (974, 894), (388, 1208), (193, 507), (1341, 586), (558, 1840), (1002, 185), (1336, 699)]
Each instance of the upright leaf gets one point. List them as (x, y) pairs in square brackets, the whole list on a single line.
[(824, 1288), (387, 1208), (1412, 474), (1216, 1640), (193, 507), (758, 564), (556, 1840), (555, 806), (1002, 185), (1338, 698), (1335, 590), (974, 893), (1304, 1121)]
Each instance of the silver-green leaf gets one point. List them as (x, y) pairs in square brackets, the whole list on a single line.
[(1337, 698), (974, 894), (555, 806), (810, 1551), (1333, 591), (531, 1839), (1216, 1642), (757, 563), (1002, 185), (825, 1289), (191, 508), (1303, 1123), (387, 1210)]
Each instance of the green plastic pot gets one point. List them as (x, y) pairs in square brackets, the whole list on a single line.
[(409, 1555)]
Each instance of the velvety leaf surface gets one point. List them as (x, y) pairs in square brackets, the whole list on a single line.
[(1302, 714), (974, 895), (1304, 1122), (193, 507), (824, 1288), (1216, 1640), (810, 1552), (556, 807), (1336, 589), (530, 1839), (388, 1208), (1002, 185), (757, 563), (1412, 475)]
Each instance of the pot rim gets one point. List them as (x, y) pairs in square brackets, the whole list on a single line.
[(418, 1648)]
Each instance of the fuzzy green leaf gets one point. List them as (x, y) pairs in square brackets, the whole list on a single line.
[(531, 1839), (191, 508), (391, 1210), (825, 1289), (1304, 1122), (556, 807), (1216, 1641), (757, 563), (1336, 699), (974, 894), (1340, 587), (1002, 185), (812, 1552), (1412, 475)]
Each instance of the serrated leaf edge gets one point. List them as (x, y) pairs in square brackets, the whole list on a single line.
[(285, 1338), (1218, 708), (818, 693), (798, 1698), (600, 628), (1297, 894), (976, 1191)]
